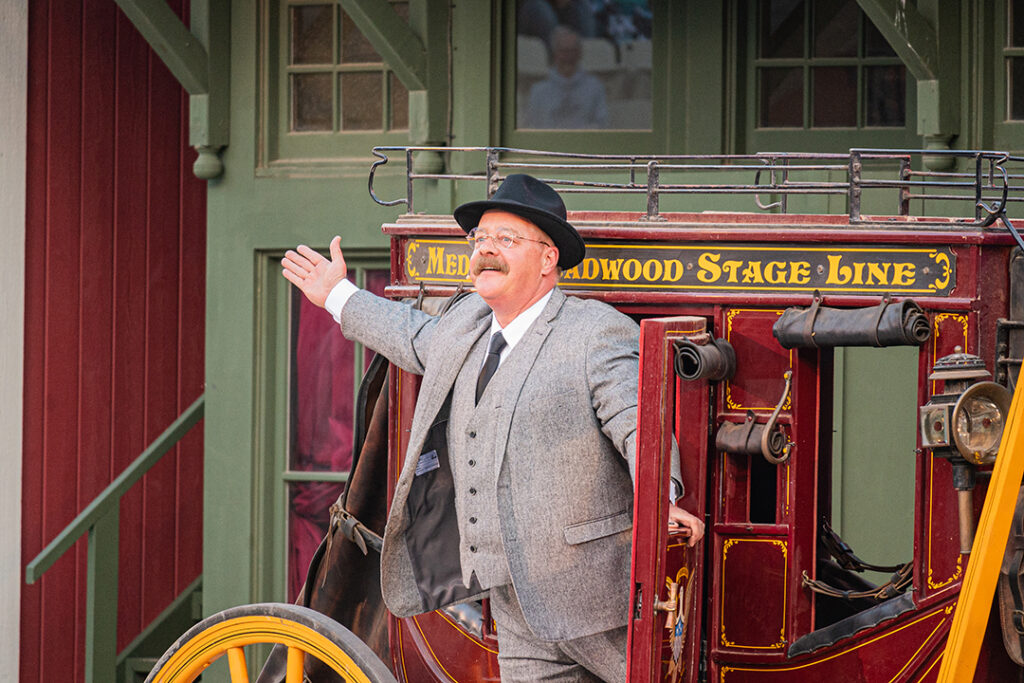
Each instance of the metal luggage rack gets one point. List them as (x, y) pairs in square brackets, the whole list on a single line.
[(991, 183)]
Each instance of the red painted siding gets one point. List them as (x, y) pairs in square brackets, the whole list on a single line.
[(115, 284)]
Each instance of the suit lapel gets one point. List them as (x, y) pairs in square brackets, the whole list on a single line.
[(440, 376), (520, 363)]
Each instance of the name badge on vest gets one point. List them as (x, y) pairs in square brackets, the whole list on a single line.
[(428, 463)]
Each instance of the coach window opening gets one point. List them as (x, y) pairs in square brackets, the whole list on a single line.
[(871, 473)]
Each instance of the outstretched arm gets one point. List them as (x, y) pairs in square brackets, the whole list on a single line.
[(314, 275)]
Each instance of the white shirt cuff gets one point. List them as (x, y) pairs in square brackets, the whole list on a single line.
[(338, 297)]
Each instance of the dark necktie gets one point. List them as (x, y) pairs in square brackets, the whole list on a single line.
[(494, 348)]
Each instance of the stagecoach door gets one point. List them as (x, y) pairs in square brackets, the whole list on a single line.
[(667, 575)]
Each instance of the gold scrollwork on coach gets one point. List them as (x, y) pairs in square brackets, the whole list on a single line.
[(942, 261), (410, 251)]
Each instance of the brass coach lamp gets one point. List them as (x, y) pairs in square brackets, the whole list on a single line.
[(964, 424)]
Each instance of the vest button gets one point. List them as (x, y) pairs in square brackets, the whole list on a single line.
[(472, 435), (472, 491), (472, 548), (472, 520), (472, 463)]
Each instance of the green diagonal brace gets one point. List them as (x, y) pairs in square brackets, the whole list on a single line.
[(181, 51), (109, 500), (392, 38), (909, 33)]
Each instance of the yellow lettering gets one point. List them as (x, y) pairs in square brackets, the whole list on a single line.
[(732, 267), (878, 273), (451, 263), (709, 270), (858, 273), (800, 273), (463, 264), (673, 270), (631, 271), (838, 274), (590, 269), (435, 264), (903, 274), (652, 270), (752, 273), (775, 272), (610, 269)]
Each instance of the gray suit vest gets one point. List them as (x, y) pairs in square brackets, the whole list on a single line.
[(473, 457)]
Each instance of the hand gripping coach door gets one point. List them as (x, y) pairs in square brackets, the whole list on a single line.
[(667, 575)]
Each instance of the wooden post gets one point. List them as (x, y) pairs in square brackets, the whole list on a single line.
[(101, 599)]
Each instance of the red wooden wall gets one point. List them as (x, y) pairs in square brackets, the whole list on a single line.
[(114, 332)]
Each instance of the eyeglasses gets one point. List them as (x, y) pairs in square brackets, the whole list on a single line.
[(505, 239)]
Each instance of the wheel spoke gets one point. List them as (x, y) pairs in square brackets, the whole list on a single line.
[(236, 664), (296, 658)]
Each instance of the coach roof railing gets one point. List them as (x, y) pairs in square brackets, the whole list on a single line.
[(988, 183)]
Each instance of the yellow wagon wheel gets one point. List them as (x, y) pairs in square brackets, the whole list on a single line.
[(303, 631)]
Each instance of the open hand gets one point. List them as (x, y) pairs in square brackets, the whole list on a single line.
[(314, 275), (680, 518)]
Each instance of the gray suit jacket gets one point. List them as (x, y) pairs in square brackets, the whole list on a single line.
[(564, 446)]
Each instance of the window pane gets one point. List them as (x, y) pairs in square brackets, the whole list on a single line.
[(835, 28), (312, 28), (581, 69), (1015, 88), (308, 517), (321, 406), (362, 100), (323, 396), (399, 104), (782, 97), (885, 96), (782, 28), (835, 96), (875, 44), (355, 48), (311, 102), (1016, 8)]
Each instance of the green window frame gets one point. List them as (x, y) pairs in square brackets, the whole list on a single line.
[(1009, 53), (666, 46), (313, 47), (759, 60), (306, 474), (274, 477)]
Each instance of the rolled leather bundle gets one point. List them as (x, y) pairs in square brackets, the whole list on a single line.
[(902, 323), (713, 361), (745, 439)]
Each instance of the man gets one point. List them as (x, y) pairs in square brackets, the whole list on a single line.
[(568, 97), (517, 483)]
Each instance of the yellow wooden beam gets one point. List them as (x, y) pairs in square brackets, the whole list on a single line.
[(972, 609)]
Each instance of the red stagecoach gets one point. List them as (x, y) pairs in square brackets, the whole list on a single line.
[(741, 315)]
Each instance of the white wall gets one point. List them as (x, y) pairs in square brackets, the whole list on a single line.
[(13, 67)]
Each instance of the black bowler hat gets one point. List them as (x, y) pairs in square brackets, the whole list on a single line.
[(538, 203)]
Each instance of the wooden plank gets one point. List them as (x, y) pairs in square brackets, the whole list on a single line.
[(63, 619), (130, 281), (191, 293), (162, 226), (32, 539), (173, 42), (101, 600)]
